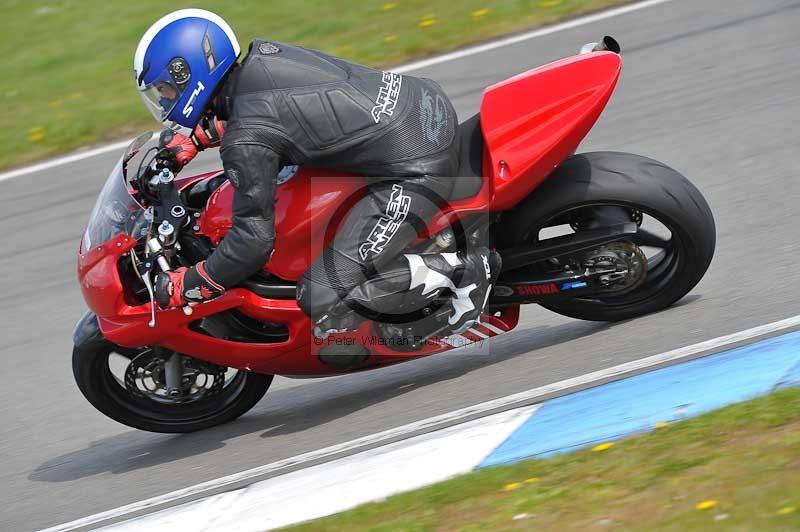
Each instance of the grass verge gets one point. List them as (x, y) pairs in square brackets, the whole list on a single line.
[(737, 468), (67, 76)]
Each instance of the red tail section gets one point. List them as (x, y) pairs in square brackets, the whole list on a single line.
[(535, 120)]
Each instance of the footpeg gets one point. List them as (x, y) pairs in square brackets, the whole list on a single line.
[(328, 325)]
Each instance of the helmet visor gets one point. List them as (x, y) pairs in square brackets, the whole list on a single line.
[(162, 95)]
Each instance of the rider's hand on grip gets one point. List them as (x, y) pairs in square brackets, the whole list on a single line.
[(169, 289), (176, 148), (186, 286)]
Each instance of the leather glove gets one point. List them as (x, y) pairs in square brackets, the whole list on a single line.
[(180, 148), (208, 132), (186, 285)]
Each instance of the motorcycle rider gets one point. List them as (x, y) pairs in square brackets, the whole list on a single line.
[(282, 105)]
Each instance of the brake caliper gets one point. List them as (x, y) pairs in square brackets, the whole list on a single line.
[(623, 266)]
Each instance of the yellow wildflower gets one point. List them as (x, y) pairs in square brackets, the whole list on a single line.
[(36, 134), (427, 22), (705, 505)]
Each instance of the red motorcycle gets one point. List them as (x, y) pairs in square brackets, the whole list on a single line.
[(595, 236)]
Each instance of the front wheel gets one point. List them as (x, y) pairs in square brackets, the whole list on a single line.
[(676, 235), (130, 386)]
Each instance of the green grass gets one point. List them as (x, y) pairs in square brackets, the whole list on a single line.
[(67, 66), (746, 457)]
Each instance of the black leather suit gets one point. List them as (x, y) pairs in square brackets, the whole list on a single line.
[(289, 105)]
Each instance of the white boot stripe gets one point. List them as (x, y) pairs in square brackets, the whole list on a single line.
[(477, 333), (492, 328)]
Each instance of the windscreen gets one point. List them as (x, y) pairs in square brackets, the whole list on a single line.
[(116, 212)]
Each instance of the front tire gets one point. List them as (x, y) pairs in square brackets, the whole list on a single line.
[(106, 392), (634, 184)]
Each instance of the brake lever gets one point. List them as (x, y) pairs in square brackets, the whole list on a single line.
[(144, 272)]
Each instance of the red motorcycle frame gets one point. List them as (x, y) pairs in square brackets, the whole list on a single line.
[(530, 124)]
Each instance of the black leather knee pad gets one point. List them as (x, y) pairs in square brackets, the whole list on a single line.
[(316, 299)]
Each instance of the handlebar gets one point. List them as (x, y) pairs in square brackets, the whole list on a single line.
[(158, 183)]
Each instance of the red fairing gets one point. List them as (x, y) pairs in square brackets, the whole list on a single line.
[(299, 356), (98, 276), (535, 120), (308, 210)]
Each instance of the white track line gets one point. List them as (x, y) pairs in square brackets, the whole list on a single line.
[(52, 163), (466, 52), (434, 423)]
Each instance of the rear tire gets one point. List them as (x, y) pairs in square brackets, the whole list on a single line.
[(629, 181), (90, 366)]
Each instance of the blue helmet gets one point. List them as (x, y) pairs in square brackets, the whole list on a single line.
[(180, 62)]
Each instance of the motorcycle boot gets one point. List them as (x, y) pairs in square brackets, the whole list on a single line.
[(472, 285), (410, 287)]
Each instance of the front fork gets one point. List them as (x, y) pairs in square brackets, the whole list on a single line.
[(173, 374)]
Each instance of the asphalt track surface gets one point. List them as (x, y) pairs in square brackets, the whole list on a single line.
[(710, 87)]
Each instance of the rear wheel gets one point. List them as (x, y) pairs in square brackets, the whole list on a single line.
[(129, 386), (676, 228)]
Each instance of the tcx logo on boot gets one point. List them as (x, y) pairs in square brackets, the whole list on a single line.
[(396, 212)]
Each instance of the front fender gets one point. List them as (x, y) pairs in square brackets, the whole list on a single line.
[(87, 331)]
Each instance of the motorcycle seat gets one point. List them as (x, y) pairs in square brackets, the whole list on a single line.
[(264, 285), (469, 176)]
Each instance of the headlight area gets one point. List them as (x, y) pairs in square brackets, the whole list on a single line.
[(134, 290), (99, 277)]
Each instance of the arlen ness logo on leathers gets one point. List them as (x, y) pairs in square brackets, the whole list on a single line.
[(396, 212), (387, 96)]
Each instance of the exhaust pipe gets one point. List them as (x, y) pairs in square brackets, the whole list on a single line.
[(608, 44)]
